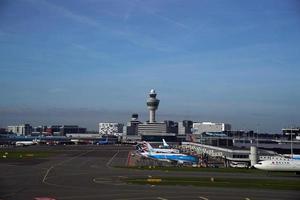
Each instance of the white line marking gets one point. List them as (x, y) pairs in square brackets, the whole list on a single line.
[(110, 160), (47, 172), (203, 198), (60, 163), (102, 180), (160, 198)]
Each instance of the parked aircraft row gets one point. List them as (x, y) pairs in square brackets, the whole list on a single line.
[(288, 163), (168, 155), (55, 140), (149, 148)]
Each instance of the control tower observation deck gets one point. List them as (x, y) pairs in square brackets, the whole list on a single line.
[(152, 104)]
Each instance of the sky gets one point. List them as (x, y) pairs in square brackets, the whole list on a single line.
[(90, 61)]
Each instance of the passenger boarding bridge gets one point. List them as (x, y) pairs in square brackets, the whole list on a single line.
[(230, 153)]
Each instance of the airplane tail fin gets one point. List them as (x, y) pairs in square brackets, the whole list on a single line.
[(149, 147), (165, 143), (139, 148)]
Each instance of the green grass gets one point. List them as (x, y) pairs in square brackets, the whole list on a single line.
[(222, 182), (193, 169), (24, 154), (221, 170)]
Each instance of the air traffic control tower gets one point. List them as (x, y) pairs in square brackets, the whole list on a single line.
[(152, 130), (152, 104)]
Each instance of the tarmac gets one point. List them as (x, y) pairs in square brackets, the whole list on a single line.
[(88, 173)]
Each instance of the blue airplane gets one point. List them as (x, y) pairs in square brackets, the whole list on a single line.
[(294, 156), (171, 157), (101, 142)]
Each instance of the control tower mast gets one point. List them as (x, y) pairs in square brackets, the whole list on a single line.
[(152, 104)]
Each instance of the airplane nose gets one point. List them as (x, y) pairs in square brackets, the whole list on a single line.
[(257, 166)]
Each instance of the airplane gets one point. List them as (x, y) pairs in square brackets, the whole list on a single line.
[(24, 143), (148, 147), (75, 141), (171, 157), (102, 142), (291, 165), (165, 144), (293, 156), (296, 157)]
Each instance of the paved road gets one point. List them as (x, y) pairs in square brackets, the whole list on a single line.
[(85, 172)]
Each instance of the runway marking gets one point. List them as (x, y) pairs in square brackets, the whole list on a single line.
[(110, 160), (203, 198), (43, 198), (160, 198), (102, 180), (133, 193), (47, 172), (73, 174), (140, 196), (68, 160), (109, 181), (60, 163)]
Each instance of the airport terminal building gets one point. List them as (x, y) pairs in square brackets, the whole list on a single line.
[(110, 128)]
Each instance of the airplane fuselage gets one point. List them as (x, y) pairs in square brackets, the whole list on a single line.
[(25, 143), (279, 165), (159, 150), (179, 158)]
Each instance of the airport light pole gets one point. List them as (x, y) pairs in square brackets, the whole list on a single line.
[(291, 142), (257, 135)]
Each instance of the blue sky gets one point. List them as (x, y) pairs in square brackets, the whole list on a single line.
[(83, 62)]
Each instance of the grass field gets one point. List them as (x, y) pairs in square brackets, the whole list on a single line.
[(220, 182), (24, 154), (221, 170)]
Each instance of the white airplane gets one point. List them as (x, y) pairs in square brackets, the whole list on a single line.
[(25, 143), (291, 165), (165, 144), (149, 148)]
